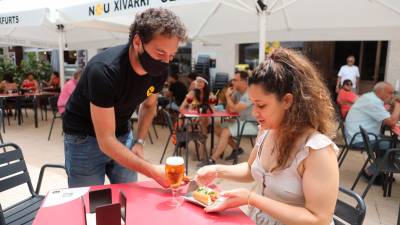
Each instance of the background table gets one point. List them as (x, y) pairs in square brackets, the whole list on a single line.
[(147, 204), (215, 113)]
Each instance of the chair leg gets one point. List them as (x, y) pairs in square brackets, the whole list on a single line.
[(176, 151), (341, 160), (359, 174), (341, 152), (385, 184), (252, 142), (196, 145), (390, 183), (165, 149), (3, 120), (369, 184), (187, 156), (155, 131), (51, 128), (150, 138)]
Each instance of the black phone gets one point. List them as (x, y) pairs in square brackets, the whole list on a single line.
[(99, 198)]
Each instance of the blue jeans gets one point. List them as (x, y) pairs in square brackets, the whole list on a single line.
[(87, 165)]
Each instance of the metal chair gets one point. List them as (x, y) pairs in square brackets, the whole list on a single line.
[(385, 164), (240, 136), (347, 213), (53, 105), (13, 172), (347, 145), (184, 135)]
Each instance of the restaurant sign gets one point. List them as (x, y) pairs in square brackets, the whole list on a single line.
[(117, 8), (22, 18)]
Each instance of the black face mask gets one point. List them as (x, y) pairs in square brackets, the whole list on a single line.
[(153, 67)]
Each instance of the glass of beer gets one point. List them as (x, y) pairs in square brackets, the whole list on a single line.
[(175, 171)]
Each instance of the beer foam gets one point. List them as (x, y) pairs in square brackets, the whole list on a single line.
[(175, 161)]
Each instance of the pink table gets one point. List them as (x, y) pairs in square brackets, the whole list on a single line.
[(146, 205), (191, 114)]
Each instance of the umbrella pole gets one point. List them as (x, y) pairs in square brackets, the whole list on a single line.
[(262, 35), (61, 43)]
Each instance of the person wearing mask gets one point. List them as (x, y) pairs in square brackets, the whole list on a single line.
[(98, 140)]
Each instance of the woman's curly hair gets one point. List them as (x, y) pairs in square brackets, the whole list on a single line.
[(286, 71)]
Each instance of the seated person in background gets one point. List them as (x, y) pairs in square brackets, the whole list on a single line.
[(67, 91), (196, 97), (346, 97), (30, 84), (229, 129), (8, 85), (176, 90), (369, 112), (293, 160), (54, 82), (221, 94), (192, 79)]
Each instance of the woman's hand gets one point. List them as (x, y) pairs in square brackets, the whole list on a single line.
[(228, 92), (233, 198), (206, 175)]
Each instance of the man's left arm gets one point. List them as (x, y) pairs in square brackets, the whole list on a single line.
[(146, 114), (235, 107)]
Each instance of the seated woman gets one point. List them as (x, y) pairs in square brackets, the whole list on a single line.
[(221, 94), (346, 97), (54, 83), (293, 159), (8, 85), (196, 97), (30, 84)]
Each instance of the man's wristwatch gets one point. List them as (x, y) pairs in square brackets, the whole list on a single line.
[(139, 141)]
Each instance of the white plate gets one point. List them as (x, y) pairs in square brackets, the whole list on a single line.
[(189, 197)]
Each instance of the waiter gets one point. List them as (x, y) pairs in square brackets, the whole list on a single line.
[(98, 140)]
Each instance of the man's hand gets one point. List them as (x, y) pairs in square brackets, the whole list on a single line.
[(138, 150), (158, 174)]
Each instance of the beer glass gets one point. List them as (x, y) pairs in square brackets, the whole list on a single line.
[(174, 170)]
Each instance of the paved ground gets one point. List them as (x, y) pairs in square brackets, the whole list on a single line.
[(38, 151)]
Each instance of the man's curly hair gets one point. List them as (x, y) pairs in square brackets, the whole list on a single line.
[(156, 21)]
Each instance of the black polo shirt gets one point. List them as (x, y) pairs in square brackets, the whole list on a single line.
[(108, 81)]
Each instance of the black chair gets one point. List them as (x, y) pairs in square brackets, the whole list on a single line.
[(381, 161), (56, 115), (13, 172), (221, 79), (184, 135), (347, 145), (348, 214), (240, 135)]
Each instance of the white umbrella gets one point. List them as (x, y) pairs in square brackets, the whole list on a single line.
[(249, 20), (36, 24)]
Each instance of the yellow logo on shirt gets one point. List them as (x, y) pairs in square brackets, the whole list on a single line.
[(150, 91)]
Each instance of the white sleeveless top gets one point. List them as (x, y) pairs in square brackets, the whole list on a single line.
[(284, 185)]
